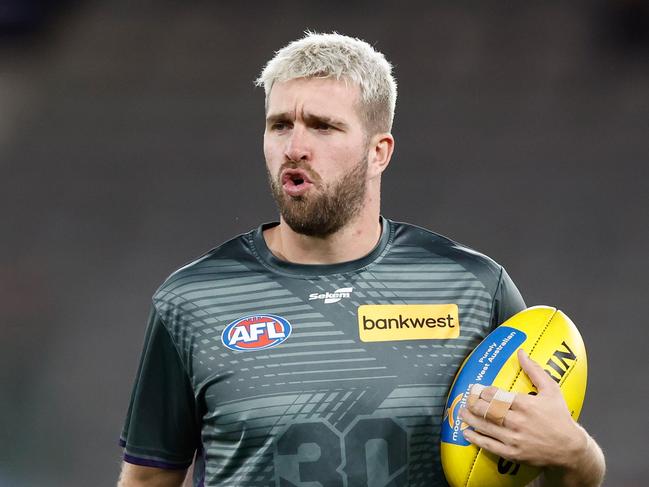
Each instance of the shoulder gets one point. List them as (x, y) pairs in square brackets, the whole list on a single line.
[(407, 234), (408, 237), (220, 264)]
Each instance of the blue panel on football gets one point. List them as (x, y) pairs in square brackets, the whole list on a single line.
[(482, 367)]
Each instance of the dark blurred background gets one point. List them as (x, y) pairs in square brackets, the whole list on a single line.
[(130, 142)]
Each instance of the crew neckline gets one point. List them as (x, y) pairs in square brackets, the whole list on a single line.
[(268, 259)]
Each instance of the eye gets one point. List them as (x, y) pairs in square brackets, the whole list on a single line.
[(279, 126), (322, 126)]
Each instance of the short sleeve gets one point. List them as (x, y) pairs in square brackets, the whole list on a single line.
[(161, 428), (507, 300)]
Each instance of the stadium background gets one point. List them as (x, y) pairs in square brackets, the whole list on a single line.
[(130, 141)]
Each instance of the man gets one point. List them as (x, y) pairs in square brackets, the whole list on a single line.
[(319, 350)]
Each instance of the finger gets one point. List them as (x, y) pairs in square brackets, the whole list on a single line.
[(492, 404), (486, 393), (486, 427), (472, 400), (511, 422), (488, 443), (477, 406), (535, 372), (476, 389), (499, 406), (474, 394)]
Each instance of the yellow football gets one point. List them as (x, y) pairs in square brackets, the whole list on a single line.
[(550, 338)]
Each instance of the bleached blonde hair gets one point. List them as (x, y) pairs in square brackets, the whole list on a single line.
[(340, 57)]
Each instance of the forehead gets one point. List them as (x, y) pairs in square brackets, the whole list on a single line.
[(326, 96)]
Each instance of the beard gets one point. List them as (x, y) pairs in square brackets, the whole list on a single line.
[(324, 209)]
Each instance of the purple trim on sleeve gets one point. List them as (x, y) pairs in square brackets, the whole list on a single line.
[(146, 462), (201, 452), (122, 443)]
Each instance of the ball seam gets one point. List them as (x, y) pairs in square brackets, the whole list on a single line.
[(538, 339), (510, 388)]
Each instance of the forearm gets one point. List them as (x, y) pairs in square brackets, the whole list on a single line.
[(584, 469), (138, 476)]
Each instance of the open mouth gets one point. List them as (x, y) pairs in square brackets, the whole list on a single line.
[(295, 181), (295, 177)]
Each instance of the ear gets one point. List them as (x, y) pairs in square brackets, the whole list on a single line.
[(380, 151)]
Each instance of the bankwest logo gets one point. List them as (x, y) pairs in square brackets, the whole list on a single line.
[(391, 322), (334, 297)]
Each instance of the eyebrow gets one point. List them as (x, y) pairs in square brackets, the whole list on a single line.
[(308, 117), (277, 117), (312, 117)]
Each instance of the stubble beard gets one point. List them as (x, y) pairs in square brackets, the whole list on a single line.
[(326, 209)]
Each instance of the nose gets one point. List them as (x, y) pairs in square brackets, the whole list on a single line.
[(297, 145)]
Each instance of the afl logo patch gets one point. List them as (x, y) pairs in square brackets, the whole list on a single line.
[(256, 332)]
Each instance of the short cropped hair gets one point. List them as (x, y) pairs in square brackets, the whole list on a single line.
[(340, 57)]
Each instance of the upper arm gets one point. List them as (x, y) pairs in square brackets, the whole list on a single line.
[(507, 300), (139, 476), (162, 427)]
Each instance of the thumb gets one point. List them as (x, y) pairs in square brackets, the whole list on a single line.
[(535, 372)]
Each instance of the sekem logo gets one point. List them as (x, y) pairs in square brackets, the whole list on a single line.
[(334, 297), (256, 332)]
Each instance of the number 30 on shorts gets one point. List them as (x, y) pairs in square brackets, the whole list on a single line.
[(342, 458)]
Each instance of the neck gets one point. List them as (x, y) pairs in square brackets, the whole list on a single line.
[(353, 241)]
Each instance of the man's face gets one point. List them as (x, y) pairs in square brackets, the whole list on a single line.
[(316, 153)]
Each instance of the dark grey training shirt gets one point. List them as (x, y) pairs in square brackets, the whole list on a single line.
[(279, 374)]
